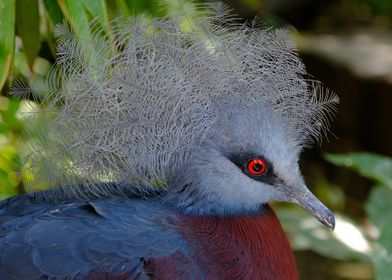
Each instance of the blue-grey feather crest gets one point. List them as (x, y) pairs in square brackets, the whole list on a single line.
[(133, 105)]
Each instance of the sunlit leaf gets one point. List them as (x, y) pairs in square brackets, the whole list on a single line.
[(372, 166), (306, 233), (8, 165), (8, 116), (7, 40), (8, 158)]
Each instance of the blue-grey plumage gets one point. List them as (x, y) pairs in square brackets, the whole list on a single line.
[(76, 238), (127, 237)]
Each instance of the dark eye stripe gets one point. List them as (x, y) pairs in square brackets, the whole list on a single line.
[(242, 160)]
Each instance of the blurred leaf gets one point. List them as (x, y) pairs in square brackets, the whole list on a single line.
[(382, 257), (379, 210), (253, 4), (7, 40), (330, 194), (8, 165), (27, 23), (9, 161), (54, 11), (141, 6), (137, 6), (75, 13), (184, 8), (8, 116), (306, 233), (97, 9), (20, 64), (380, 6), (379, 206), (386, 237), (372, 166), (123, 8), (55, 17), (42, 66)]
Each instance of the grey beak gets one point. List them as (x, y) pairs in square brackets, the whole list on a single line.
[(304, 198)]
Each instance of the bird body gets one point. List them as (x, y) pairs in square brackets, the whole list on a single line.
[(129, 238), (198, 126)]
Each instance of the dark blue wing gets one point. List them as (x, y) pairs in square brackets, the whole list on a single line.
[(40, 240)]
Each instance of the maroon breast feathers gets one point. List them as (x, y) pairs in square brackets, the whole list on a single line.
[(243, 247)]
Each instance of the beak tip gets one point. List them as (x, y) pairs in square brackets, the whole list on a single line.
[(329, 221), (332, 222), (305, 199)]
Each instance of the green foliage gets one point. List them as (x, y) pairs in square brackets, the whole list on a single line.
[(28, 54), (383, 7), (53, 11), (382, 257), (307, 233), (35, 21), (27, 23), (7, 38), (350, 241), (9, 160), (372, 166), (379, 205)]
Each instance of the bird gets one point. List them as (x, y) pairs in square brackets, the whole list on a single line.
[(162, 144)]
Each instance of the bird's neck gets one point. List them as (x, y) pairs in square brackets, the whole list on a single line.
[(241, 247)]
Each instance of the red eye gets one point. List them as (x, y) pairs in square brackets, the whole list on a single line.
[(256, 166)]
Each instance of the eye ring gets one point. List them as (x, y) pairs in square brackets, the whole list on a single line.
[(257, 167)]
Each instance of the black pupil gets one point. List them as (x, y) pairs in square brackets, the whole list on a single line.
[(257, 167)]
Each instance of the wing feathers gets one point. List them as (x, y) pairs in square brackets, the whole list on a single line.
[(113, 236)]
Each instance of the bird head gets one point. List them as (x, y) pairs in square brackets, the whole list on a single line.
[(250, 159), (215, 115)]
